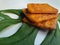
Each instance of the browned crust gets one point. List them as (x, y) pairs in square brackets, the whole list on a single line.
[(50, 24), (39, 17), (41, 8)]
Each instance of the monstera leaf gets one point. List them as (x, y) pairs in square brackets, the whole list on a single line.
[(6, 21), (26, 33)]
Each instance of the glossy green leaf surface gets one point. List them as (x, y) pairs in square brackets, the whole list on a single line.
[(26, 34)]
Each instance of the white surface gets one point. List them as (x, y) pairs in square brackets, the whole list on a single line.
[(10, 30), (40, 37), (14, 16), (19, 4)]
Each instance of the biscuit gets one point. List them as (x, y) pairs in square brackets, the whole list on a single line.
[(49, 24), (39, 17), (41, 8)]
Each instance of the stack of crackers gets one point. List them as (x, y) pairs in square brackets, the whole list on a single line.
[(41, 15)]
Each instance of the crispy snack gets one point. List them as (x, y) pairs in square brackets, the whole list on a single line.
[(39, 17), (50, 24), (41, 8)]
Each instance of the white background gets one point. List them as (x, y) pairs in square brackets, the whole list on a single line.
[(4, 4), (19, 4)]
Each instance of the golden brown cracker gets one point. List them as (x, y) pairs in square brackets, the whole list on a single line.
[(50, 24), (39, 17), (41, 8)]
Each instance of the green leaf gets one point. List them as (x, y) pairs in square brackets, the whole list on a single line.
[(6, 21), (59, 17), (27, 33), (53, 37), (25, 36), (14, 11)]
